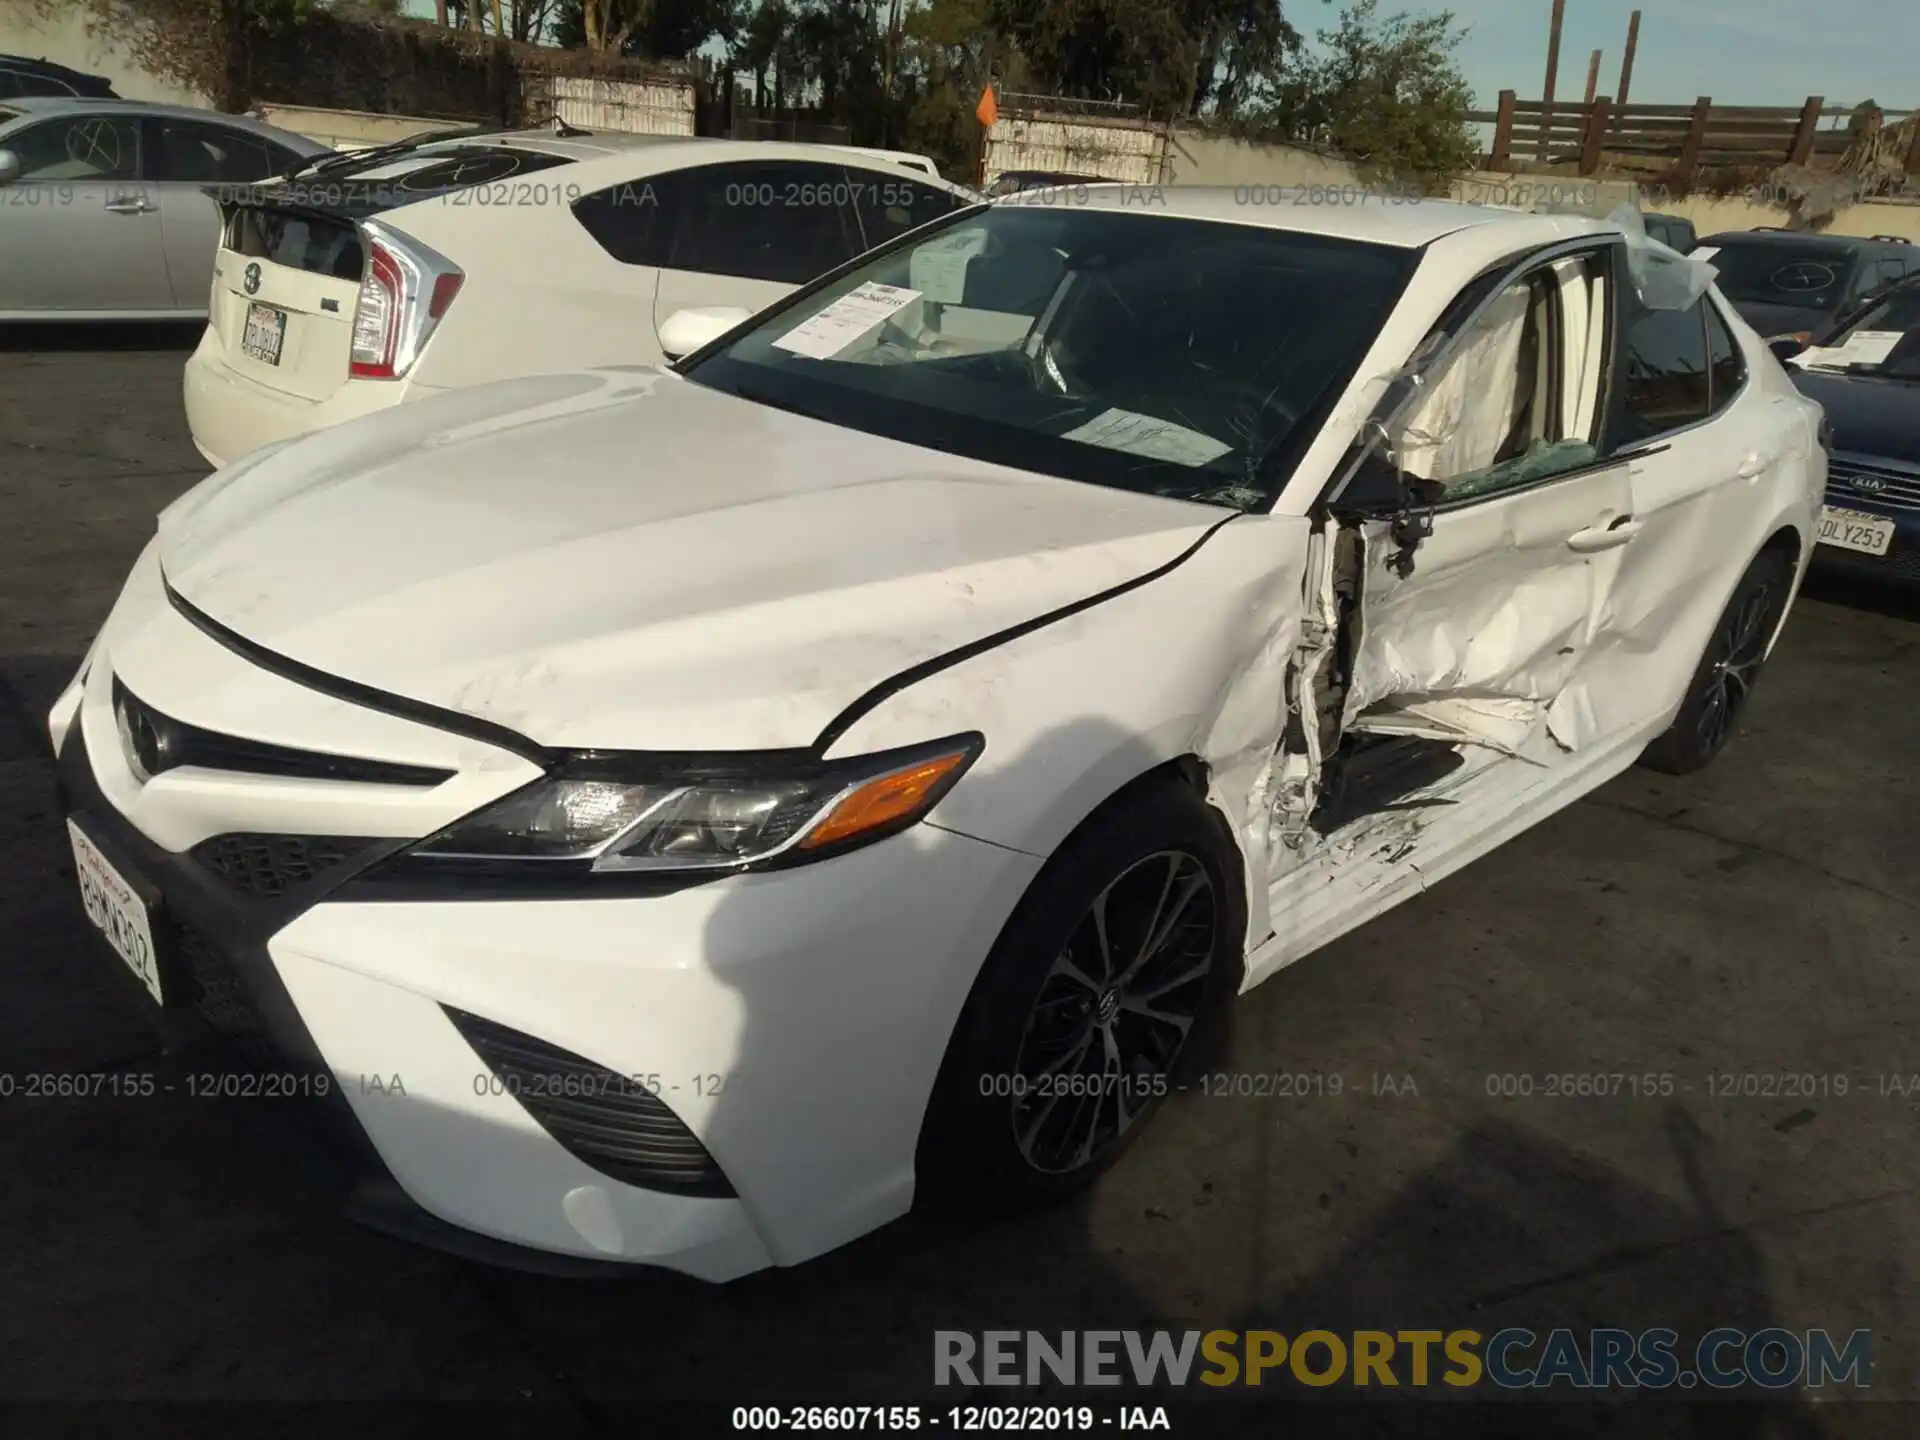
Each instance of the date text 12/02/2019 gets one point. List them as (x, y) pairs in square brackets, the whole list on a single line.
[(961, 1419)]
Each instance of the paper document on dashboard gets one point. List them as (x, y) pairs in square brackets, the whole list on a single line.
[(862, 309), (1150, 436)]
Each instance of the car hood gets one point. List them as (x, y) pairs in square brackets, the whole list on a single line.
[(1772, 320), (1870, 415), (625, 559)]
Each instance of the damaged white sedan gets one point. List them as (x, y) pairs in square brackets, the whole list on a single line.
[(675, 817)]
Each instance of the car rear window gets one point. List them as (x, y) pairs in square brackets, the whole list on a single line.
[(1807, 277), (313, 241), (385, 181)]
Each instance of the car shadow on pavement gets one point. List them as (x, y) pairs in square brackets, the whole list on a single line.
[(1862, 592), (85, 335), (1509, 1227)]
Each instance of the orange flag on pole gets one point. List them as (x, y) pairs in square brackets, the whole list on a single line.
[(987, 111)]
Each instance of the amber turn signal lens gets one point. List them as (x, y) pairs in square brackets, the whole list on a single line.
[(887, 798)]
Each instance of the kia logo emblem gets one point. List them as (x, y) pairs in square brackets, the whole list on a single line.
[(252, 281), (1867, 484)]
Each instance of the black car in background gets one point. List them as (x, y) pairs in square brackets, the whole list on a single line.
[(1015, 182), (1867, 377), (21, 76), (1791, 285), (1673, 231)]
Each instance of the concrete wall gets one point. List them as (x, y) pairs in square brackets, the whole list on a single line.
[(1709, 214), (62, 37), (1197, 159)]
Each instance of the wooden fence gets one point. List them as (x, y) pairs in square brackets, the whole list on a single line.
[(1690, 138)]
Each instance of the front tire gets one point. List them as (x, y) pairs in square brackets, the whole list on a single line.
[(1717, 697), (1110, 980)]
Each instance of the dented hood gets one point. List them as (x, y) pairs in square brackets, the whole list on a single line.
[(624, 559)]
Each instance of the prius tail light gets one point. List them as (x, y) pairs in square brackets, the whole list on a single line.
[(405, 290)]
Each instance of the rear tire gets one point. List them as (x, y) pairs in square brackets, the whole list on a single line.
[(1717, 697), (1108, 986)]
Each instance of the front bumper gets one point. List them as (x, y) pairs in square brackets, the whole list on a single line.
[(793, 1022)]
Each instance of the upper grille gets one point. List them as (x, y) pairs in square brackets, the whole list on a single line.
[(155, 742), (267, 866), (613, 1123), (1849, 479)]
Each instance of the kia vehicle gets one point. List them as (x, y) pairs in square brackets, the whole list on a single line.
[(1794, 286), (104, 213), (392, 274), (1867, 379), (863, 761)]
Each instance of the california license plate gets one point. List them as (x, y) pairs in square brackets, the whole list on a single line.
[(1855, 530), (266, 332), (116, 909)]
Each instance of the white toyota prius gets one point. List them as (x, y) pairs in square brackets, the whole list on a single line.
[(679, 816)]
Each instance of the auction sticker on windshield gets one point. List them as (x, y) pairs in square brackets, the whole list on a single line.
[(1148, 435), (831, 330)]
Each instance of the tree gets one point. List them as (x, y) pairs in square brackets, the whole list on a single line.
[(654, 29), (1386, 94)]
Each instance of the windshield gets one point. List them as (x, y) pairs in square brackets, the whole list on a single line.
[(1884, 339), (1807, 277), (1188, 358)]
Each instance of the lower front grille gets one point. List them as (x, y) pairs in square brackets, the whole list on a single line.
[(614, 1123), (222, 1000), (1898, 564), (270, 865)]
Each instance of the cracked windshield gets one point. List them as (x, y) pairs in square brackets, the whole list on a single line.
[(1179, 357)]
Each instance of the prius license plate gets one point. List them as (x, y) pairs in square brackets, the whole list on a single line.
[(266, 332), (116, 909), (1855, 530)]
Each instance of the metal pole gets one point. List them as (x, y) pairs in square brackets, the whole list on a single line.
[(1553, 73), (1626, 61)]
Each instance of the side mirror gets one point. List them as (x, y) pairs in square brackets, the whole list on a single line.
[(686, 331), (1786, 347), (9, 167)]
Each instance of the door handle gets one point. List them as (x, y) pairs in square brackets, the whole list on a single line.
[(126, 206), (1604, 537)]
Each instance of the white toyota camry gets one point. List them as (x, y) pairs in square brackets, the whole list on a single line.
[(676, 816)]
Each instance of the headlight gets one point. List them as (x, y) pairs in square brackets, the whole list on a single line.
[(662, 814)]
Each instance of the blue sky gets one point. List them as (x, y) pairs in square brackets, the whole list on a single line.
[(1741, 52)]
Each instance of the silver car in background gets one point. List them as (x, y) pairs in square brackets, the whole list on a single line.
[(103, 214)]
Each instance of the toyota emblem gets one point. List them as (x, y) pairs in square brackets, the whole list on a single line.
[(252, 280)]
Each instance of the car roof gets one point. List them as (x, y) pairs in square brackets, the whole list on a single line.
[(40, 107), (1799, 239), (1407, 224), (664, 152), (51, 68)]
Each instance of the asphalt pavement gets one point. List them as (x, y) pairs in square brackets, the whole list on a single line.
[(1749, 933)]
